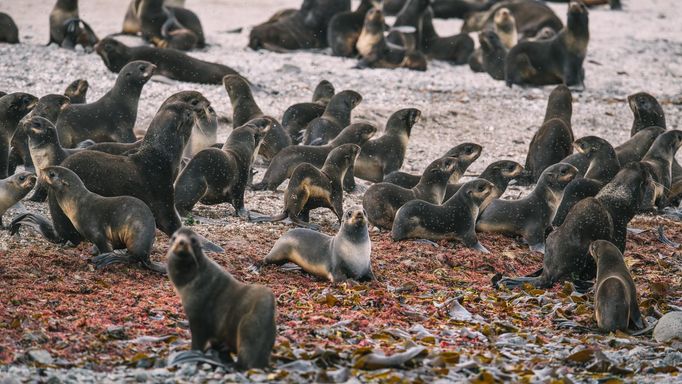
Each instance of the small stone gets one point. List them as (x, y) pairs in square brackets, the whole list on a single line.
[(669, 327), (141, 377), (40, 356)]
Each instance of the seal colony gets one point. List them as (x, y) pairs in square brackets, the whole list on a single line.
[(106, 186)]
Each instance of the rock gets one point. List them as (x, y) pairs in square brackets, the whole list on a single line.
[(669, 327), (141, 377), (40, 356)]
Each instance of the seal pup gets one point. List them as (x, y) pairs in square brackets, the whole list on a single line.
[(553, 142), (659, 163), (504, 25), (499, 173), (386, 154), (647, 112), (616, 305), (222, 312), (454, 220), (344, 30), (554, 61), (244, 108), (603, 168), (335, 118), (67, 29), (375, 52), (9, 33), (530, 216), (170, 27), (49, 107), (638, 145), (604, 217), (382, 200), (297, 117), (204, 133), (310, 188), (530, 17), (45, 149), (121, 222), (454, 49), (305, 28), (170, 63), (13, 107), (77, 91), (466, 153), (13, 189), (335, 258), (283, 164), (112, 117), (217, 176), (493, 54)]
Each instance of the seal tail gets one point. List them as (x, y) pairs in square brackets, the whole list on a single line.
[(39, 223)]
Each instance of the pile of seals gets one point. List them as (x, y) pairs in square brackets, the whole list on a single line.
[(576, 214)]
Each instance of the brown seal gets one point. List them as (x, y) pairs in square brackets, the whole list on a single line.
[(335, 258), (222, 312), (13, 189), (616, 305)]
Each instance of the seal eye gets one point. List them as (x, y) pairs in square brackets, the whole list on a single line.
[(22, 178), (481, 188), (562, 172), (52, 175), (195, 102), (141, 68), (194, 241)]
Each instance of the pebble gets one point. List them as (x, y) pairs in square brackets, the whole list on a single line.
[(40, 356), (669, 327)]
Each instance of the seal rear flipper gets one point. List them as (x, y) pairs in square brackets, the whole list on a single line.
[(39, 223), (271, 219), (515, 282), (194, 357)]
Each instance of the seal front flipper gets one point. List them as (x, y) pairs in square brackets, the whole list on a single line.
[(116, 257), (39, 223)]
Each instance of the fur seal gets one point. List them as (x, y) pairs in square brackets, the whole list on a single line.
[(638, 145), (454, 220), (375, 52), (504, 25), (344, 29), (305, 28), (112, 117), (13, 107), (222, 312), (530, 17), (13, 189), (282, 166), (45, 150), (170, 27), (602, 168), (557, 60), (67, 29), (658, 161), (530, 216), (297, 117), (244, 108), (170, 63), (335, 258), (553, 141), (615, 296), (310, 188), (499, 173), (383, 155), (147, 174), (381, 201), (454, 49), (215, 176), (604, 217), (121, 222), (335, 118), (204, 133), (77, 91), (467, 153), (647, 112), (492, 55), (49, 107), (9, 33)]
